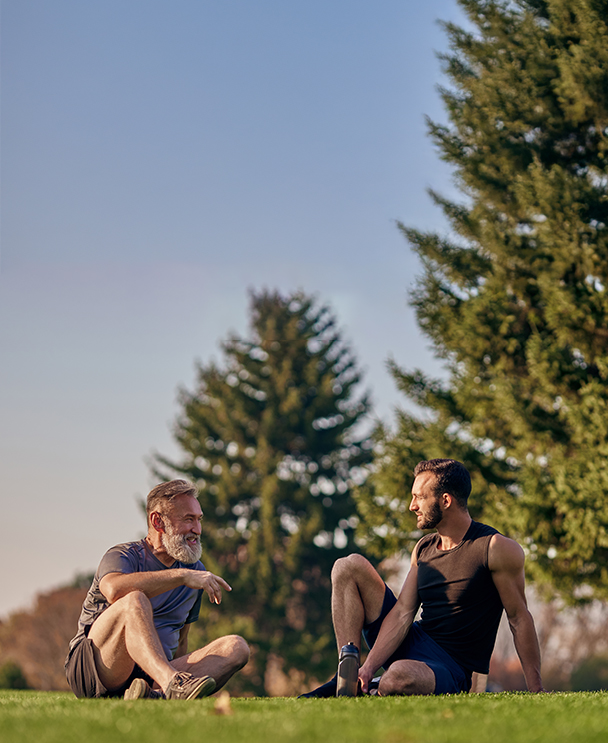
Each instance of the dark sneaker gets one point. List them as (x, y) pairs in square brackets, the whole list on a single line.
[(325, 690), (186, 686), (140, 689)]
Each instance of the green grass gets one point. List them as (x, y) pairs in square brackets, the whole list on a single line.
[(48, 717)]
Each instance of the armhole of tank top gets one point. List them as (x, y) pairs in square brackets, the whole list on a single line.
[(487, 550), (423, 541)]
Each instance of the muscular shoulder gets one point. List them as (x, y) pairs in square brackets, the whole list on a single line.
[(505, 554)]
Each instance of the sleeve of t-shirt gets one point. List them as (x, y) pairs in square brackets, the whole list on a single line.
[(119, 559)]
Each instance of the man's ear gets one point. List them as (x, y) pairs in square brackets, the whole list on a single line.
[(447, 500), (157, 522)]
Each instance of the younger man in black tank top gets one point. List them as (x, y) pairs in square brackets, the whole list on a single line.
[(463, 576)]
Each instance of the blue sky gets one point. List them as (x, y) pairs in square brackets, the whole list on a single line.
[(158, 160)]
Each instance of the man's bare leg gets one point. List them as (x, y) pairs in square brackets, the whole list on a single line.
[(407, 677), (357, 595), (357, 598), (221, 659), (124, 635)]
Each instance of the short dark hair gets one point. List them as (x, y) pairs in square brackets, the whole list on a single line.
[(165, 492), (452, 477)]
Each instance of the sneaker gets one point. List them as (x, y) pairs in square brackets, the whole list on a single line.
[(140, 689), (186, 686), (325, 690)]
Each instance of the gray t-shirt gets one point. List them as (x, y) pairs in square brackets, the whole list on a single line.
[(172, 609)]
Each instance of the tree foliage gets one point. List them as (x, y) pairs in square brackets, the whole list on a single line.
[(34, 642), (591, 675), (11, 676), (270, 437), (514, 299)]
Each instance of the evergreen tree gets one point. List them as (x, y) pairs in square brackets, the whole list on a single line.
[(272, 438), (514, 300)]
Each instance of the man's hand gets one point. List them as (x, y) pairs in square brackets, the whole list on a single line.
[(209, 582), (366, 674)]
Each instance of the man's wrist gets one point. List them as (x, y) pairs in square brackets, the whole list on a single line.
[(366, 670), (535, 686), (182, 574)]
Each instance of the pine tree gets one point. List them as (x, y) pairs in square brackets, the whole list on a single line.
[(272, 438), (514, 300)]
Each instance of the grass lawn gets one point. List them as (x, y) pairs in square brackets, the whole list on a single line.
[(49, 717)]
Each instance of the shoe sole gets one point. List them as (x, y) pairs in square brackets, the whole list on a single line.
[(206, 687), (137, 690)]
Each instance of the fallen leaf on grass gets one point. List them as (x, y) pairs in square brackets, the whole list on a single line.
[(222, 704)]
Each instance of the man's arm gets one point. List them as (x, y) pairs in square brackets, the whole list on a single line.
[(506, 562), (116, 585), (395, 626)]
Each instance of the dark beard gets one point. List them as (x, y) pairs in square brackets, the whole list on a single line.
[(433, 518)]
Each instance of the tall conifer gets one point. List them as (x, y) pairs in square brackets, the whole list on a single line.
[(273, 440), (514, 300)]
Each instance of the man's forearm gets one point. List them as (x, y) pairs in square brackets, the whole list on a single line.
[(116, 585), (526, 645), (392, 633)]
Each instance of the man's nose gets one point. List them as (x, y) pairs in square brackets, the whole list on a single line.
[(197, 528), (413, 506)]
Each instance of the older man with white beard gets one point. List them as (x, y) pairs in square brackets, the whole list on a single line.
[(132, 635)]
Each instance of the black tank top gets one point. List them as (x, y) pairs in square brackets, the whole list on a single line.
[(461, 608)]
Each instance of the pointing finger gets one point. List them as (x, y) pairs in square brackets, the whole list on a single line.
[(223, 582)]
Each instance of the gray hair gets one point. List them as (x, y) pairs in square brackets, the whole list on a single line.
[(161, 495)]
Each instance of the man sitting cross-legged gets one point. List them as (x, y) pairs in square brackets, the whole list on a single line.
[(132, 635), (463, 576)]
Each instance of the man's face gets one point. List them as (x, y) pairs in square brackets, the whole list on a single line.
[(425, 504), (182, 536)]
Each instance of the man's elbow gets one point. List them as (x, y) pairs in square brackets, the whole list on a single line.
[(520, 620), (112, 591)]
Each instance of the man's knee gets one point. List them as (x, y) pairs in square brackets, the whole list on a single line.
[(111, 623), (233, 648), (241, 651), (349, 567), (132, 607), (407, 678), (390, 685), (134, 602)]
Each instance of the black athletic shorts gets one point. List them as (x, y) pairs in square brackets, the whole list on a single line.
[(82, 676), (450, 677)]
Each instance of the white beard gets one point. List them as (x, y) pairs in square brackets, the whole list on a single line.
[(178, 547)]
